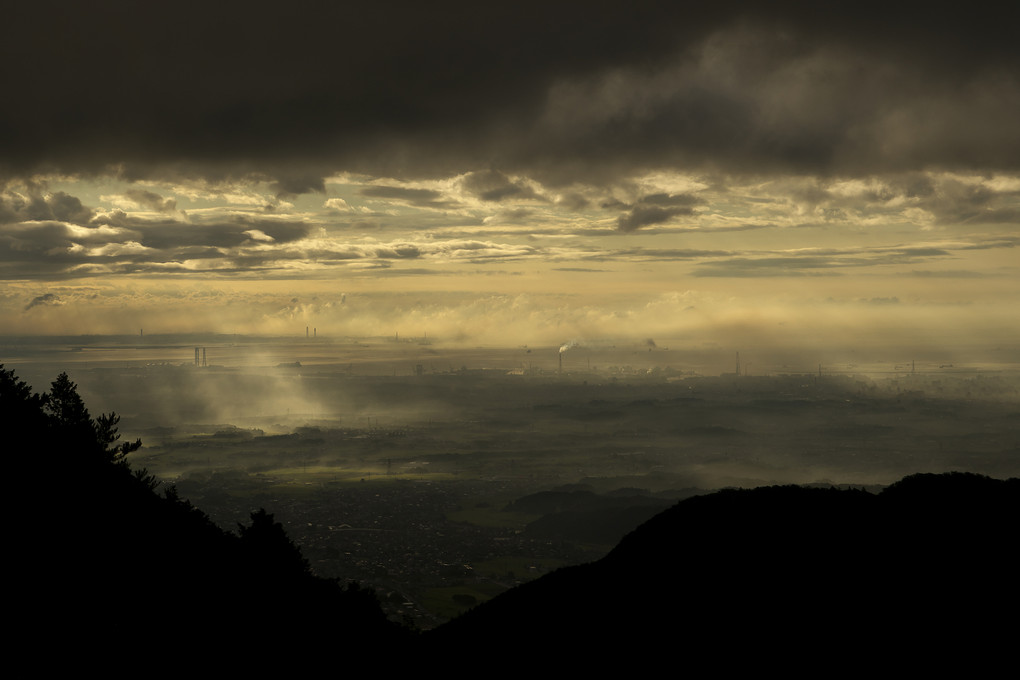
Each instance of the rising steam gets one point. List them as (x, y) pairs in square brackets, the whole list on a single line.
[(570, 345)]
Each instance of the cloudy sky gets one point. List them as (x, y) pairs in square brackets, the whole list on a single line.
[(726, 174)]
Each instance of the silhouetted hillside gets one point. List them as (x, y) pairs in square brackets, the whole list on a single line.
[(782, 577), (583, 516), (111, 572)]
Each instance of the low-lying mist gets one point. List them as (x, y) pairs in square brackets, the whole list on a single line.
[(563, 414), (397, 461)]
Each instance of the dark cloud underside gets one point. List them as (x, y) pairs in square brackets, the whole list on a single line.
[(558, 91), (423, 198)]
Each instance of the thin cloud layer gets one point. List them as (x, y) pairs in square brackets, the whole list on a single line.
[(899, 220)]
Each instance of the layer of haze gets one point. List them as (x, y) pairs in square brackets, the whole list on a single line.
[(640, 415)]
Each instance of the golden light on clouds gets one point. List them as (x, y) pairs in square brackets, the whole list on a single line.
[(717, 182)]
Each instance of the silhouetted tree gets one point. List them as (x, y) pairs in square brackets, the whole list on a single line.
[(73, 426), (64, 406), (21, 412), (107, 436), (267, 544)]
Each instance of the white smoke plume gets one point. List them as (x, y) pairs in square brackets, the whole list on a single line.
[(570, 345)]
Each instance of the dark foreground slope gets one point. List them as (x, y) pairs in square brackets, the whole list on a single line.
[(109, 574), (105, 573), (923, 574)]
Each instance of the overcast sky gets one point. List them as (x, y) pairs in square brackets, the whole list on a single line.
[(720, 174)]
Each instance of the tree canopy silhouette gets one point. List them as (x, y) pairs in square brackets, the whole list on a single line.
[(103, 543), (267, 544), (71, 422)]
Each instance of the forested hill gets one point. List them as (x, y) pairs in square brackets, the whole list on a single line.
[(923, 574), (111, 574)]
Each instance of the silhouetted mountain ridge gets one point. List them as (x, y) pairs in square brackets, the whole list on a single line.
[(921, 575), (738, 579)]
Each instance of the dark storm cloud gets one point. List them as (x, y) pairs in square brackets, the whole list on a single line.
[(959, 202), (656, 209), (45, 299), (289, 184), (914, 185), (84, 242), (400, 252), (151, 200), (61, 206), (168, 235), (121, 243), (510, 217), (643, 216), (40, 247), (573, 201), (39, 206), (492, 185), (422, 198), (551, 91), (171, 235)]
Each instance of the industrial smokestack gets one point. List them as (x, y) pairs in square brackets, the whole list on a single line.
[(566, 347)]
